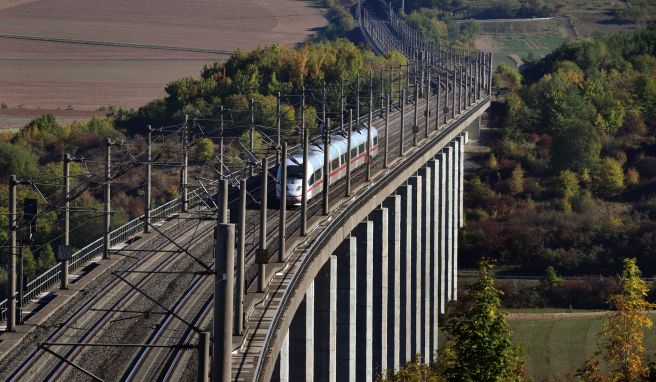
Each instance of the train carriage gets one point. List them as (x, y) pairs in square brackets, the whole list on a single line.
[(337, 156)]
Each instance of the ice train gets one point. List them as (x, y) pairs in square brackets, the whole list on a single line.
[(338, 157)]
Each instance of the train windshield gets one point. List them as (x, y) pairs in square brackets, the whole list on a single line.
[(295, 172)]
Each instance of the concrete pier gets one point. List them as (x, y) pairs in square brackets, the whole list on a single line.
[(364, 311), (393, 205), (346, 308), (301, 340), (325, 320), (415, 267), (380, 221)]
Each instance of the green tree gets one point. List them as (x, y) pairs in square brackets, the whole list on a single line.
[(479, 347), (516, 181), (19, 160), (567, 185), (577, 147), (205, 150), (610, 177)]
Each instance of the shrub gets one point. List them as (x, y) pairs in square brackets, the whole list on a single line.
[(610, 177), (567, 185), (516, 181)]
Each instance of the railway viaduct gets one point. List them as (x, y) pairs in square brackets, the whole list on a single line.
[(359, 289), (363, 293)]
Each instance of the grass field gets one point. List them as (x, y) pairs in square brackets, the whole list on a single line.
[(525, 46), (555, 345)]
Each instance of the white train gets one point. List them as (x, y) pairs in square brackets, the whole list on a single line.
[(338, 157)]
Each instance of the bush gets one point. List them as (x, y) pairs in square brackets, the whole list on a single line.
[(566, 185), (610, 177), (516, 181), (583, 202)]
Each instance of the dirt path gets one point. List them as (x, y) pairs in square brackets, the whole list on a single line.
[(555, 316)]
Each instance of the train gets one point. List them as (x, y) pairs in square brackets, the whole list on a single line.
[(338, 156)]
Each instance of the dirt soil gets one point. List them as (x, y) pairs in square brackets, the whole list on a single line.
[(39, 70)]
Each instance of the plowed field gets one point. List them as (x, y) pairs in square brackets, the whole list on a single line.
[(89, 53)]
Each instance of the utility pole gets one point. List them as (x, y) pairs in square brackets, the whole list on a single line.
[(224, 282), (108, 196), (252, 138), (348, 154), (282, 226), (402, 132), (371, 107), (263, 253), (341, 104), (149, 169), (382, 91), (221, 159), (387, 111), (223, 191), (279, 125), (326, 168), (11, 282), (66, 221), (305, 169), (185, 161), (241, 255), (323, 105), (357, 98)]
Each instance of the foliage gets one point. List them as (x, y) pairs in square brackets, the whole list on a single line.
[(205, 150), (516, 181), (610, 177), (478, 346), (414, 371), (567, 185)]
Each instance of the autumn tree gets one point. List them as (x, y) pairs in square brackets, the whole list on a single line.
[(624, 332), (478, 346)]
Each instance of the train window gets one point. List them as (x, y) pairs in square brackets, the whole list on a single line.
[(361, 148), (335, 164), (343, 158), (317, 174), (375, 141), (354, 152), (295, 172)]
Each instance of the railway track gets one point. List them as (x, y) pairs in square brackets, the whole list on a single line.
[(92, 322)]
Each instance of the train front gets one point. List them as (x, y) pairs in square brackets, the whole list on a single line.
[(294, 180)]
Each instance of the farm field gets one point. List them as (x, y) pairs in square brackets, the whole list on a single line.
[(555, 343), (58, 54), (512, 41)]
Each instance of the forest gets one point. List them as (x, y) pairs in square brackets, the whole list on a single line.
[(570, 183)]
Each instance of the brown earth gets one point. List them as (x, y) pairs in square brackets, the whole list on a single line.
[(84, 73)]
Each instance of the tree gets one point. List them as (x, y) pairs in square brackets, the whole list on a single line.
[(567, 185), (205, 150), (516, 181), (577, 147), (624, 330), (478, 346), (610, 177)]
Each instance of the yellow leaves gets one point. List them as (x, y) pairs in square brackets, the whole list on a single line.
[(625, 328)]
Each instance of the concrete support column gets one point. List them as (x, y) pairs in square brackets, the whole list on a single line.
[(301, 340), (426, 261), (449, 220), (462, 140), (325, 328), (441, 159), (434, 271), (456, 214), (364, 311), (416, 269), (393, 205), (281, 370), (380, 220), (346, 308), (405, 275)]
